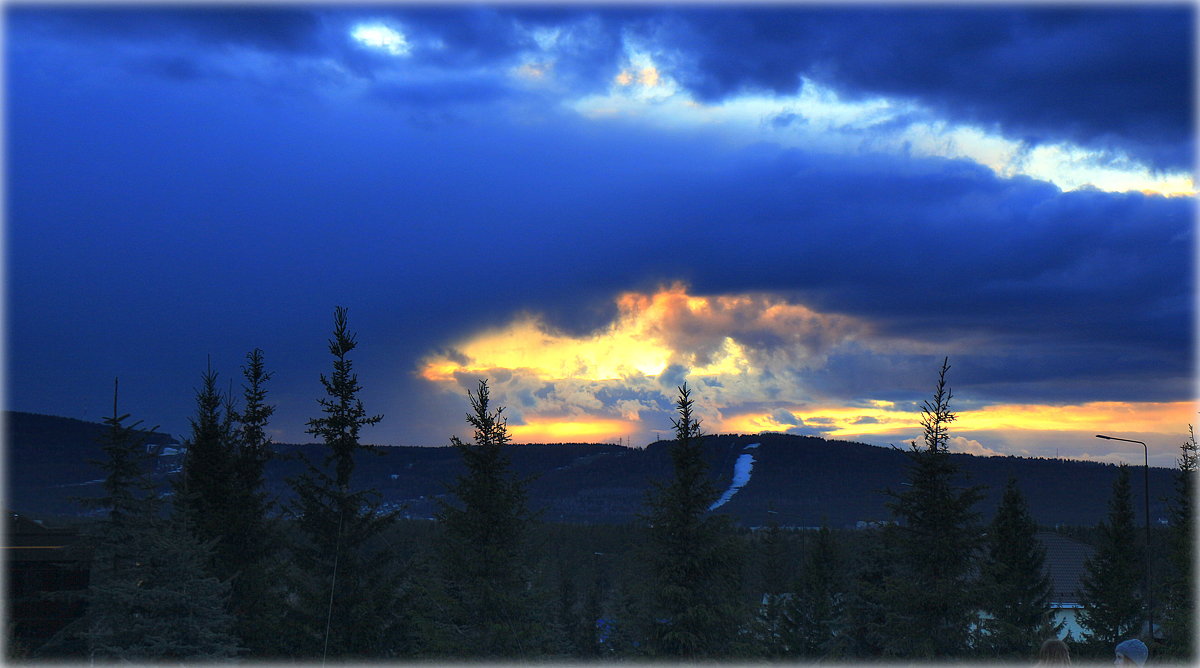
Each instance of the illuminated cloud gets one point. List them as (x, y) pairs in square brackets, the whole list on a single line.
[(733, 348), (726, 335), (817, 118), (970, 447), (575, 430), (751, 359), (830, 421), (1033, 430), (1100, 416), (383, 37)]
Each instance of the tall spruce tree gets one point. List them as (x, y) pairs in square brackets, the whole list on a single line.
[(150, 597), (932, 602), (347, 599), (692, 608), (1180, 600), (1015, 585), (256, 598), (492, 611), (1112, 604), (205, 492)]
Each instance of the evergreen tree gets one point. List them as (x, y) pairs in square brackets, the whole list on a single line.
[(256, 598), (1112, 605), (1016, 587), (149, 598), (1180, 600), (771, 623), (204, 493), (570, 624), (931, 599), (816, 603), (347, 599), (863, 631), (485, 538), (692, 608)]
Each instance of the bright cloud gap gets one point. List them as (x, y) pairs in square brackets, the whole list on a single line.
[(382, 37), (817, 118)]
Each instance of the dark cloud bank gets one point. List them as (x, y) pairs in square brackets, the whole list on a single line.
[(151, 222)]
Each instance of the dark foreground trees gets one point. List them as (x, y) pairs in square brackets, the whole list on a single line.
[(814, 611), (931, 598), (1180, 599), (491, 609), (1014, 585), (150, 597), (1111, 584), (349, 582), (205, 498), (346, 600), (256, 596), (692, 607), (219, 498)]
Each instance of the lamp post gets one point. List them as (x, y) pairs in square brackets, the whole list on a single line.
[(1146, 489)]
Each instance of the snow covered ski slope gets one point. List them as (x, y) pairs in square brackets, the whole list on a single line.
[(741, 475)]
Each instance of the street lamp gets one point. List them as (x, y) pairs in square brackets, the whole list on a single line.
[(1146, 489)]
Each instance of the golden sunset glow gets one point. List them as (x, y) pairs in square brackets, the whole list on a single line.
[(622, 350), (747, 357), (833, 421), (651, 332), (1097, 416), (581, 429), (843, 422)]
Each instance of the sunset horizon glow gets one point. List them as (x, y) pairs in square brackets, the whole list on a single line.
[(553, 379)]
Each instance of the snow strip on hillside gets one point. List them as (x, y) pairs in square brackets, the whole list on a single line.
[(741, 476)]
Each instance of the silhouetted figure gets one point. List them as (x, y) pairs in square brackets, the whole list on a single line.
[(1054, 652), (1131, 652)]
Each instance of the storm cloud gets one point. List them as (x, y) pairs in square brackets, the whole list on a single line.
[(194, 180)]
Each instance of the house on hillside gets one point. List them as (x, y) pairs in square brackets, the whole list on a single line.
[(1065, 558)]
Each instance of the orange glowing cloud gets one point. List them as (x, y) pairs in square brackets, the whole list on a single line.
[(880, 419), (622, 350), (603, 384), (833, 421), (1099, 416), (575, 429), (749, 359), (651, 332)]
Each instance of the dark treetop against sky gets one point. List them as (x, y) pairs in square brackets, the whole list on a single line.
[(797, 209)]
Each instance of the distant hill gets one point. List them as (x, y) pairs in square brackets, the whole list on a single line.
[(796, 480), (47, 460)]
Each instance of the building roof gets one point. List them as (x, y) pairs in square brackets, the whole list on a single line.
[(28, 540), (1065, 558)]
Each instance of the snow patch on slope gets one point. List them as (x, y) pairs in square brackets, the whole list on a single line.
[(741, 475)]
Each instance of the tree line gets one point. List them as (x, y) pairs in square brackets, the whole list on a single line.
[(219, 571)]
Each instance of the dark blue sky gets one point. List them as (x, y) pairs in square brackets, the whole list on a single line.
[(799, 209)]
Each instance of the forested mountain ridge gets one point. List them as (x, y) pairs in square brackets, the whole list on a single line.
[(795, 480)]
